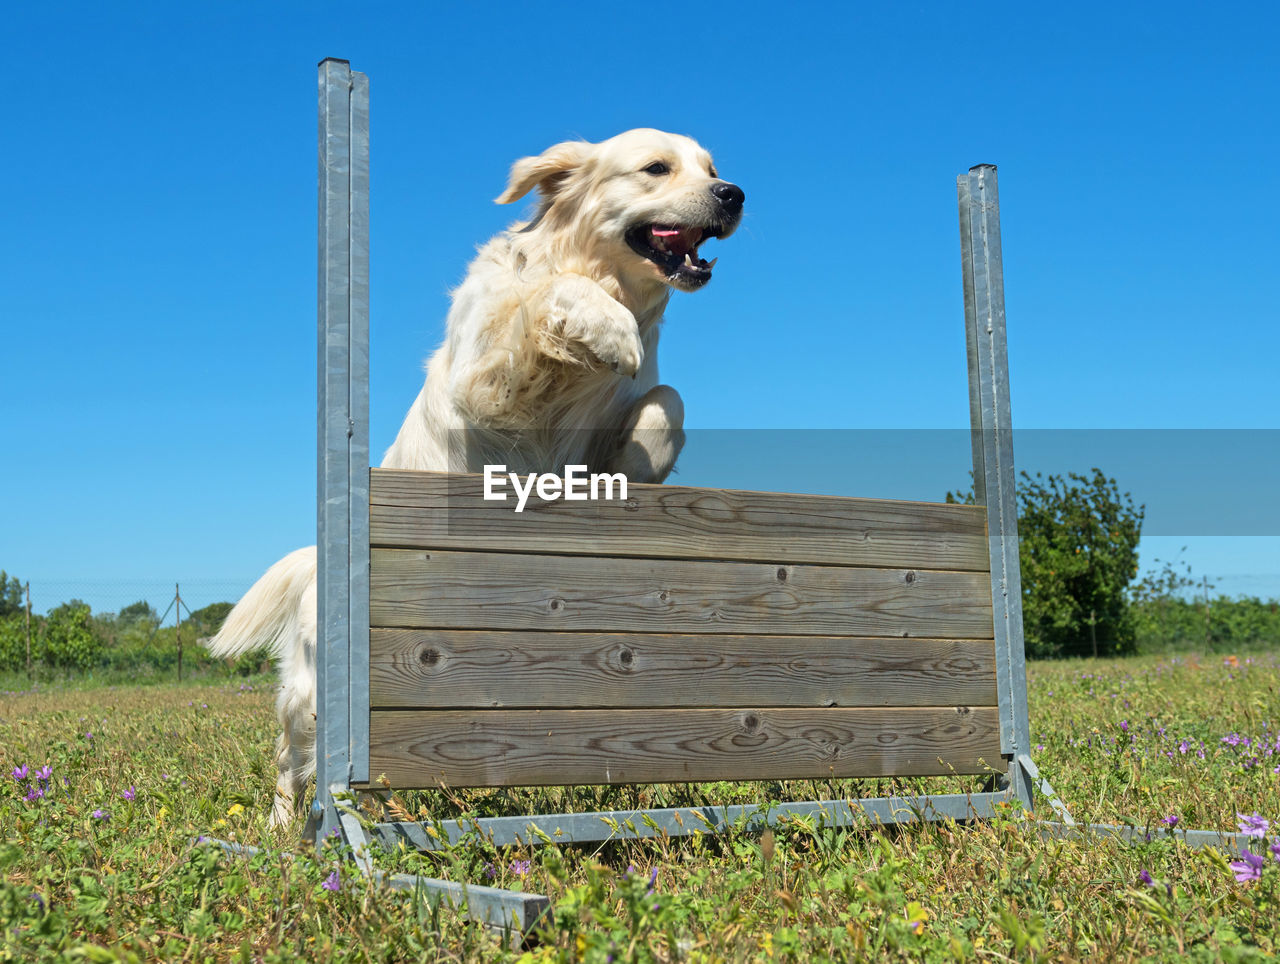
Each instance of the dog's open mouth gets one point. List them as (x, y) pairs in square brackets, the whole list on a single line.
[(674, 249)]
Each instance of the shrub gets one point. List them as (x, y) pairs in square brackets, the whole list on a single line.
[(1078, 550), (69, 640), (13, 643)]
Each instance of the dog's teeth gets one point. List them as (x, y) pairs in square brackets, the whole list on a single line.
[(712, 263), (688, 259)]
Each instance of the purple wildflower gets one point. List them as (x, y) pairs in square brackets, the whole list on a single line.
[(101, 814), (1183, 747), (1145, 878), (89, 735), (34, 794), (333, 882), (489, 871), (1253, 825), (129, 794), (521, 867), (1249, 867), (1170, 821), (20, 773), (1124, 726), (1275, 849), (44, 774)]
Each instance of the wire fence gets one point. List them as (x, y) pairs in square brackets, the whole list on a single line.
[(104, 596), (134, 629)]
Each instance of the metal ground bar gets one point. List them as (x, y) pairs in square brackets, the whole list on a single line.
[(1046, 789), (684, 821), (492, 906), (1128, 834)]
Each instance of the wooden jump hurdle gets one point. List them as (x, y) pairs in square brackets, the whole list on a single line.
[(683, 634)]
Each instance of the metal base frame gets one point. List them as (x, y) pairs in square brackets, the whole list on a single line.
[(518, 911)]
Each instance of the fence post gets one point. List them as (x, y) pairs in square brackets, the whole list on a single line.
[(342, 538), (28, 589), (177, 625)]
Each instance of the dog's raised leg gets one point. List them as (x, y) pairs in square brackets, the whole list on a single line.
[(580, 312), (653, 436)]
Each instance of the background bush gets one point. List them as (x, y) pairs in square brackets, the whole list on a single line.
[(68, 638)]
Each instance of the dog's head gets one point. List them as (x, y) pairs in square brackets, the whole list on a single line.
[(638, 204)]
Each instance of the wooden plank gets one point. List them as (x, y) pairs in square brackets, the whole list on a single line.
[(431, 510), (421, 748), (443, 669), (414, 589)]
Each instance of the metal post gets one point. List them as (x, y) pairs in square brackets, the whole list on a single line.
[(994, 478), (177, 624), (342, 539)]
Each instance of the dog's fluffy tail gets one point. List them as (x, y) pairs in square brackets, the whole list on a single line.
[(270, 615)]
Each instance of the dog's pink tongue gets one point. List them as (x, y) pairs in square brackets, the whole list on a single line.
[(678, 240)]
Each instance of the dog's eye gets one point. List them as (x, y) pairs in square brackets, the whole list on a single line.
[(712, 171), (656, 168)]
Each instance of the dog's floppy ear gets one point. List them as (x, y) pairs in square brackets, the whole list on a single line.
[(546, 172)]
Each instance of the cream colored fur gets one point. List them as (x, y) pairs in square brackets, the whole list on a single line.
[(549, 358)]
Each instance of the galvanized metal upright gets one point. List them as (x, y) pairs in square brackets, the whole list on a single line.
[(994, 480), (342, 530)]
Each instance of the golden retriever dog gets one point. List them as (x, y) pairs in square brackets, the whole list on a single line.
[(549, 359)]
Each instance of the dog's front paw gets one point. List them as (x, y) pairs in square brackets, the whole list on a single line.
[(617, 346), (583, 314)]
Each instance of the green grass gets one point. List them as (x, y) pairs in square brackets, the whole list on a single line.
[(90, 874)]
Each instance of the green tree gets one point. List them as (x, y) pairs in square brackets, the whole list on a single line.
[(10, 595), (69, 640), (209, 619), (13, 642), (1078, 550), (139, 612)]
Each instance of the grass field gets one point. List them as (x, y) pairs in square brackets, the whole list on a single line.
[(104, 788)]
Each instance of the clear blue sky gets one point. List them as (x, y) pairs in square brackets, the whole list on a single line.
[(158, 300)]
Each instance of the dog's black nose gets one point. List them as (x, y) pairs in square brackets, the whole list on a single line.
[(730, 195)]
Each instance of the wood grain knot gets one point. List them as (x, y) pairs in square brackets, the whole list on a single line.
[(631, 505), (962, 711), (627, 657), (750, 722), (910, 576), (557, 605), (782, 574), (429, 657)]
